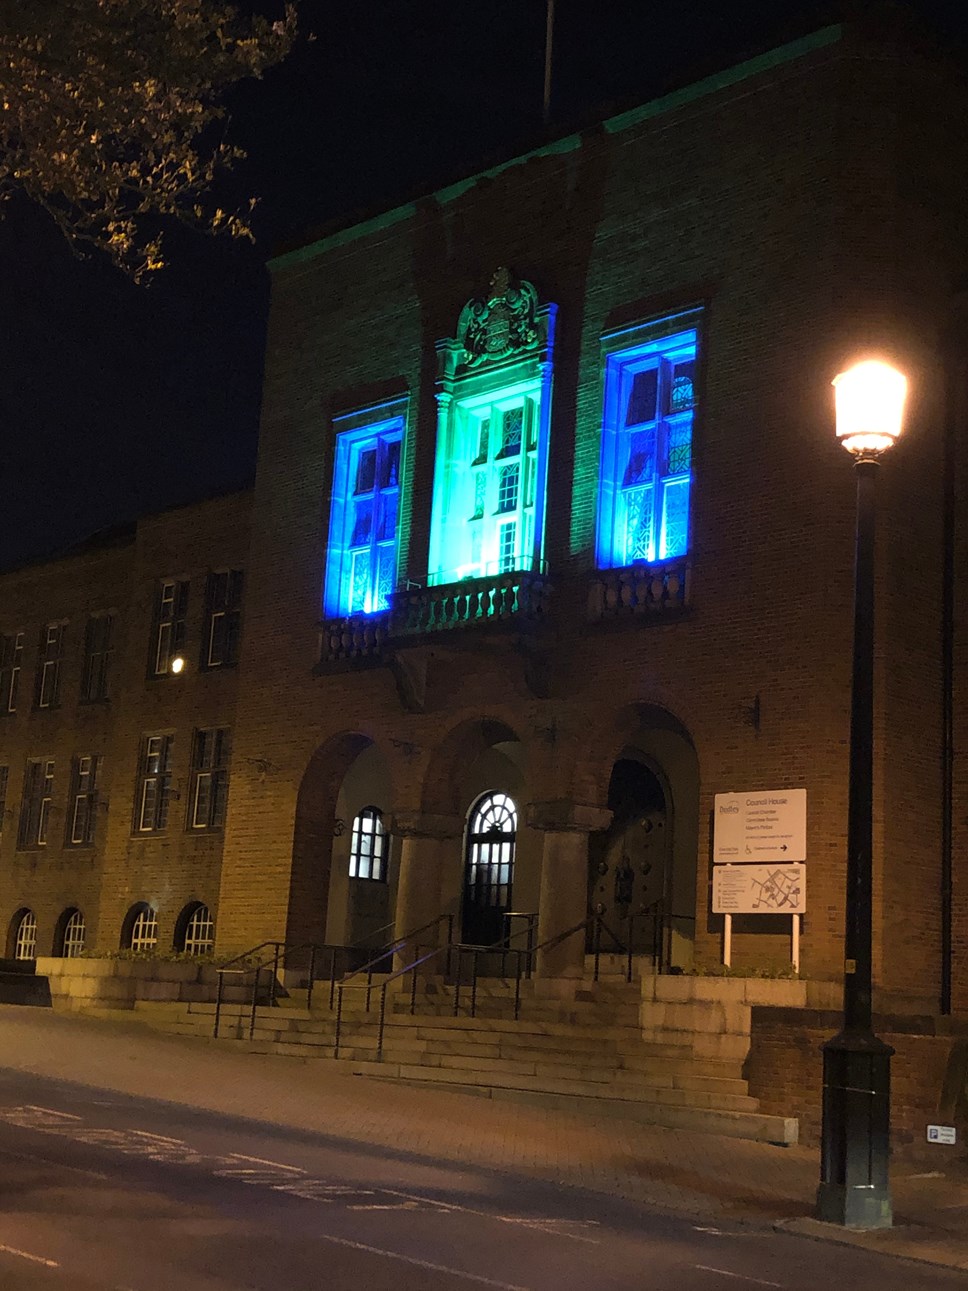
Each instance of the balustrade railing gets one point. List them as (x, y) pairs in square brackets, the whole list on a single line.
[(640, 589), (520, 595)]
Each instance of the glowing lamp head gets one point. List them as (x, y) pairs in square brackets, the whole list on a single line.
[(177, 664), (870, 407)]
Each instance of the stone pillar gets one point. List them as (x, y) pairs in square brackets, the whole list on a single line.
[(563, 901), (427, 841)]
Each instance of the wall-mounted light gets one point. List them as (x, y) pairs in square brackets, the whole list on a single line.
[(177, 664)]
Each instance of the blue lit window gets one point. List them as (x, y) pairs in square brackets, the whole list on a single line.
[(361, 564), (646, 469)]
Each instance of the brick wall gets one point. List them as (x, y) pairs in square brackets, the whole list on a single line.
[(928, 1072)]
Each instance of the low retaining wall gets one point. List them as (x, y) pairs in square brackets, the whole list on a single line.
[(929, 1072), (119, 983)]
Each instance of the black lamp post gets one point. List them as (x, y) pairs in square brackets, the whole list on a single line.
[(856, 1132)]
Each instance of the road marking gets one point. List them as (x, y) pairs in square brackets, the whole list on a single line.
[(26, 1255), (292, 1181), (741, 1277), (278, 1165), (424, 1264)]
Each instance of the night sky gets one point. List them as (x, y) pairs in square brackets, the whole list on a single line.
[(120, 400)]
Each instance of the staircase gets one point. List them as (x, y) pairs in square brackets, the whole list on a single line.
[(585, 1053)]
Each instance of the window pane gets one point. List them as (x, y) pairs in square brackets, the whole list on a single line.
[(483, 436), (506, 544), (360, 582), (387, 530), (642, 397), (641, 467), (675, 519), (512, 426), (681, 393), (679, 447), (362, 523), (638, 535), (507, 497), (480, 494), (390, 465), (366, 471)]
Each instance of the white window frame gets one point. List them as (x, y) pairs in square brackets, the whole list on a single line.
[(74, 937), (51, 653), (25, 941), (211, 753), (369, 847), (84, 799), (12, 664), (144, 929), (154, 784)]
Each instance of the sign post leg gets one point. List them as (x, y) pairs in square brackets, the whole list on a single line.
[(727, 940), (795, 944)]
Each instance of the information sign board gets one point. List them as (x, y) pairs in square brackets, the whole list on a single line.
[(763, 825), (760, 889)]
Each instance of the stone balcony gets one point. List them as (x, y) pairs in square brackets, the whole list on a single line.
[(519, 601), (639, 591)]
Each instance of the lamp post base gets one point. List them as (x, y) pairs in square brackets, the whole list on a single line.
[(855, 1147)]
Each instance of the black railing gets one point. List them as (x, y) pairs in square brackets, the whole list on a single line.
[(269, 957)]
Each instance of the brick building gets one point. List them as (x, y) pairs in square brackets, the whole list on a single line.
[(550, 542)]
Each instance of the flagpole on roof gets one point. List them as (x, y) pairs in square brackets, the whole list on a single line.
[(549, 34)]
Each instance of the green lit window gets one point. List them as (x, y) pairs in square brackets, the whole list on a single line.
[(488, 487), (361, 567)]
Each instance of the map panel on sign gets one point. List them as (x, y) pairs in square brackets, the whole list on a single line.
[(763, 825), (760, 889)]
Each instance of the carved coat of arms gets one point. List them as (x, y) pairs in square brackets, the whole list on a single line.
[(502, 323)]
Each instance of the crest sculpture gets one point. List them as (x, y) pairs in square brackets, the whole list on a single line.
[(500, 325)]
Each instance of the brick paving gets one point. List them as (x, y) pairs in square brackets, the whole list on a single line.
[(703, 1175)]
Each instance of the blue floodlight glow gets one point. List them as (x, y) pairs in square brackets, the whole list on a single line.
[(361, 560), (646, 464)]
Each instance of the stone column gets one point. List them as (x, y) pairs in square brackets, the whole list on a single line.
[(564, 881), (427, 841)]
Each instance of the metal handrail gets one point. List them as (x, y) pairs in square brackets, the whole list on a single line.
[(397, 948), (279, 952), (367, 986)]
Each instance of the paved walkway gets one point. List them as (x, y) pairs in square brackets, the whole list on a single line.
[(702, 1175)]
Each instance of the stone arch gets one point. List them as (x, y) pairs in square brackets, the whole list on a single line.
[(321, 834), (655, 831), (479, 756), (443, 791)]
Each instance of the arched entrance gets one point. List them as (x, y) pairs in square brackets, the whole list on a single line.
[(492, 828), (629, 864), (344, 874), (642, 869)]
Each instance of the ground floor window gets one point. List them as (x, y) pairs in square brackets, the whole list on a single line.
[(196, 930), (140, 931), (368, 846), (73, 934), (25, 935), (489, 870)]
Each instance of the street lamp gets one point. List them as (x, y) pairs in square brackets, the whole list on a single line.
[(856, 1130)]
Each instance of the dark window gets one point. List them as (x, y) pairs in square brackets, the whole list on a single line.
[(85, 773), (48, 665), (168, 638), (154, 784), (223, 599), (4, 774), (210, 772), (368, 847), (35, 804), (11, 660), (97, 657), (489, 872)]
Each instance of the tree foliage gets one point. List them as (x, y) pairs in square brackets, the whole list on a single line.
[(112, 117)]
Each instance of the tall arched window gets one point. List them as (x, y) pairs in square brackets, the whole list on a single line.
[(195, 930), (71, 934), (489, 872), (140, 929), (368, 846), (25, 935)]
